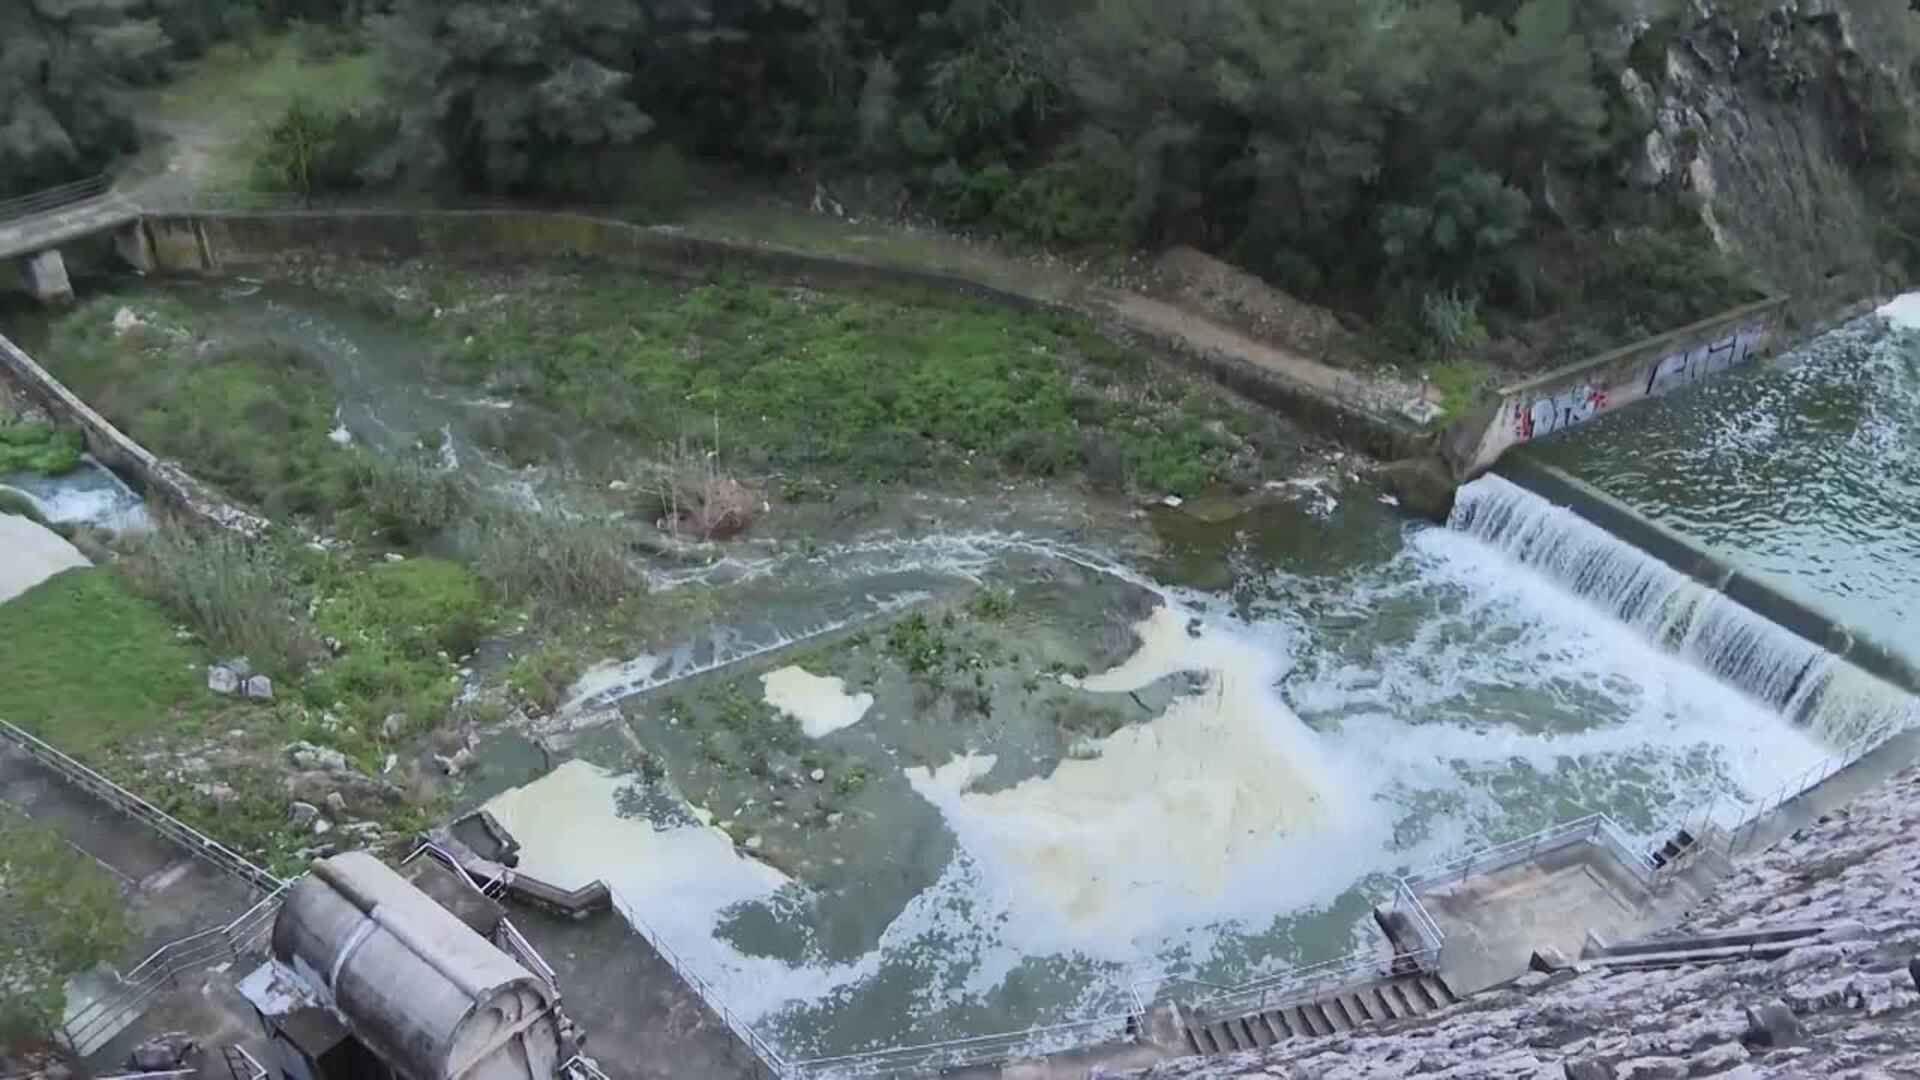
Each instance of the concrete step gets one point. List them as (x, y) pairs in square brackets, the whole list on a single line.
[(1338, 1011), (1675, 943), (1676, 957), (1437, 991)]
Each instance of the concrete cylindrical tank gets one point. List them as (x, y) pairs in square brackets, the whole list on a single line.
[(420, 988)]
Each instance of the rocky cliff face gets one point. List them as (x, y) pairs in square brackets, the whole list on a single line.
[(1782, 122), (1846, 1008)]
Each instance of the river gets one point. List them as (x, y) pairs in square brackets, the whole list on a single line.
[(1329, 694)]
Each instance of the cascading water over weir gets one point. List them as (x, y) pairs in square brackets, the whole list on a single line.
[(1807, 684)]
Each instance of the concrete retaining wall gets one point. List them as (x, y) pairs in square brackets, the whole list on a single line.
[(1756, 595), (158, 480), (1575, 394), (208, 243)]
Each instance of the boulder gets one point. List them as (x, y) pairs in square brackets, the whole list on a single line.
[(336, 805), (1772, 1025), (393, 726), (162, 1052), (308, 756), (302, 814), (222, 680), (260, 688), (1425, 486)]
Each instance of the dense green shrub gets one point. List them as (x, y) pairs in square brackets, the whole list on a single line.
[(233, 593), (312, 149), (38, 448)]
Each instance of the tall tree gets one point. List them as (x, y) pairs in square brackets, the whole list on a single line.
[(512, 96), (64, 69)]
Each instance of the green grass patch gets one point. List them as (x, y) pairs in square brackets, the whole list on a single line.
[(402, 627), (90, 665), (229, 97), (29, 446), (1461, 383), (891, 386)]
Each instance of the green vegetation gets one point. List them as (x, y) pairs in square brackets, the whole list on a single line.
[(38, 448), (232, 593), (93, 665), (853, 386), (403, 627), (60, 914)]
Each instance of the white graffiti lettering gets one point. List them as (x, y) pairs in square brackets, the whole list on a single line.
[(1546, 415), (1686, 368)]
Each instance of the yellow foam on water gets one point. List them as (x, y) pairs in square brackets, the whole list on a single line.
[(1171, 806)]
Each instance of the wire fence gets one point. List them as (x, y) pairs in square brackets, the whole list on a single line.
[(54, 198)]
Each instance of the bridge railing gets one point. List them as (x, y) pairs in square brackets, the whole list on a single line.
[(54, 198)]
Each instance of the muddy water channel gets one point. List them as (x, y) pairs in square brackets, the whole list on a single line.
[(961, 763)]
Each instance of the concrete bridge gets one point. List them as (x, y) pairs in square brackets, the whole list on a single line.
[(33, 228)]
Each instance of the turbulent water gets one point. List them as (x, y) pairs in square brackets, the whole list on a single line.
[(1839, 703), (1805, 471), (1379, 696)]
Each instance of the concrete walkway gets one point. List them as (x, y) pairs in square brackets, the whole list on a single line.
[(39, 232), (1494, 921), (169, 893), (30, 554)]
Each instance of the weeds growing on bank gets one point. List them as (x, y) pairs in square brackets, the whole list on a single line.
[(888, 385), (29, 446), (233, 593)]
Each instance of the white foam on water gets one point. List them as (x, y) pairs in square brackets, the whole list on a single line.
[(819, 704), (91, 494), (1902, 311)]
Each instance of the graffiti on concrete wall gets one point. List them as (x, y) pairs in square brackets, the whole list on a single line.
[(1569, 408), (1689, 367), (1547, 414)]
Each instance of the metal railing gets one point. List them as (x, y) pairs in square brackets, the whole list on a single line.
[(975, 1050), (512, 941), (242, 1065), (1722, 827), (134, 806), (54, 198), (770, 1059), (97, 1021), (1598, 829)]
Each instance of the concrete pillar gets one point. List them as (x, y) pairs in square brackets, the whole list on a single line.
[(45, 275), (134, 247)]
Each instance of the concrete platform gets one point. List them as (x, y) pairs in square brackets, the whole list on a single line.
[(641, 1019), (1494, 920)]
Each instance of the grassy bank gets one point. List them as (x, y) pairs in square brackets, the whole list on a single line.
[(871, 386)]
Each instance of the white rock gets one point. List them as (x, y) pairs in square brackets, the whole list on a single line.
[(222, 680), (260, 688)]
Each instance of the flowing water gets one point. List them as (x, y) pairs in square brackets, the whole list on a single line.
[(1804, 471), (1323, 695)]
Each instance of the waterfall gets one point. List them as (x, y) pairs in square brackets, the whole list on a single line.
[(1803, 681)]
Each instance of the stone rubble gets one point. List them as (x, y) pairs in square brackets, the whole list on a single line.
[(1847, 1008)]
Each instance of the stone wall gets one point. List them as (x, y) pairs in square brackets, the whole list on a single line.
[(157, 479), (1575, 394), (1844, 1008)]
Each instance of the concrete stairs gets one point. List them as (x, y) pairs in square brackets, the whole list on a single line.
[(1397, 998)]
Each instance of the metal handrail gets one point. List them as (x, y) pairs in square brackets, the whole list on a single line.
[(191, 953), (1731, 837), (971, 1050), (776, 1064), (134, 806), (54, 197)]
